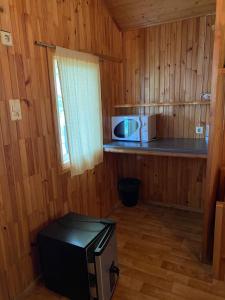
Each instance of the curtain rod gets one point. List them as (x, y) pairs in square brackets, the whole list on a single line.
[(43, 44), (102, 56)]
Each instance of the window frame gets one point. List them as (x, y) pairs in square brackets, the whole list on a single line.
[(57, 96), (63, 167)]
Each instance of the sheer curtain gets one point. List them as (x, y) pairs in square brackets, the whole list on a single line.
[(79, 76)]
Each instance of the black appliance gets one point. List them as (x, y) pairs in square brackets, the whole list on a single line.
[(78, 256)]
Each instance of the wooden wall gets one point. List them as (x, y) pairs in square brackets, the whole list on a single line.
[(32, 192), (219, 243), (216, 157), (113, 93), (171, 63), (168, 181)]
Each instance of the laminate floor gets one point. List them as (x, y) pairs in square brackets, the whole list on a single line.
[(159, 257)]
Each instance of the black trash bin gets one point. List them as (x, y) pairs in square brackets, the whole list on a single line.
[(129, 191)]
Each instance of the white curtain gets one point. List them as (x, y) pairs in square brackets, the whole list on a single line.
[(79, 75)]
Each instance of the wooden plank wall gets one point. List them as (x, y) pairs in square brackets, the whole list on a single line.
[(170, 63), (165, 64), (216, 156), (112, 79), (219, 243), (168, 181), (32, 192)]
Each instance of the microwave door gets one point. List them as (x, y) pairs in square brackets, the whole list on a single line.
[(127, 129)]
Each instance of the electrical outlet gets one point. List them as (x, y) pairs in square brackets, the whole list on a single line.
[(199, 130), (206, 96), (6, 38)]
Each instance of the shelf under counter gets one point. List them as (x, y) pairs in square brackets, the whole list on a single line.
[(176, 147)]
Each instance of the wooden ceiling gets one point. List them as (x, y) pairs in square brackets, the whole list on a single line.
[(130, 14)]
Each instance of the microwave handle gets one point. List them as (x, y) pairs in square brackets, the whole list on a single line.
[(104, 241), (140, 124)]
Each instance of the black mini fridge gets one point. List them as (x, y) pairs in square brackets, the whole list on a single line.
[(78, 256)]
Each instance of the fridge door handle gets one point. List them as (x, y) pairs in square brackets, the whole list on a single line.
[(104, 241)]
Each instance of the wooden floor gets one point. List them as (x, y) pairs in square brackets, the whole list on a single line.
[(159, 257)]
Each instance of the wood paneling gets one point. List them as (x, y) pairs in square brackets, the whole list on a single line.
[(140, 13), (216, 157), (166, 180), (158, 252), (170, 63), (112, 80), (219, 243), (32, 191)]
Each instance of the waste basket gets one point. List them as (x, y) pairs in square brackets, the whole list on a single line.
[(129, 191)]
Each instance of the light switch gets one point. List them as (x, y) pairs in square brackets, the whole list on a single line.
[(6, 38), (15, 109)]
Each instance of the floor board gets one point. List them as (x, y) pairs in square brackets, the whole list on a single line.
[(159, 257)]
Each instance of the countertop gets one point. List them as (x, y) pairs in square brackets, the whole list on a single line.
[(164, 146)]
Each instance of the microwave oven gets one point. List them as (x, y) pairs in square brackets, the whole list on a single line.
[(134, 128)]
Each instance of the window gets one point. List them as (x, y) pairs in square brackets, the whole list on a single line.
[(79, 115), (61, 119)]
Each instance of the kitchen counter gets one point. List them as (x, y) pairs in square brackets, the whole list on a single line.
[(178, 147)]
